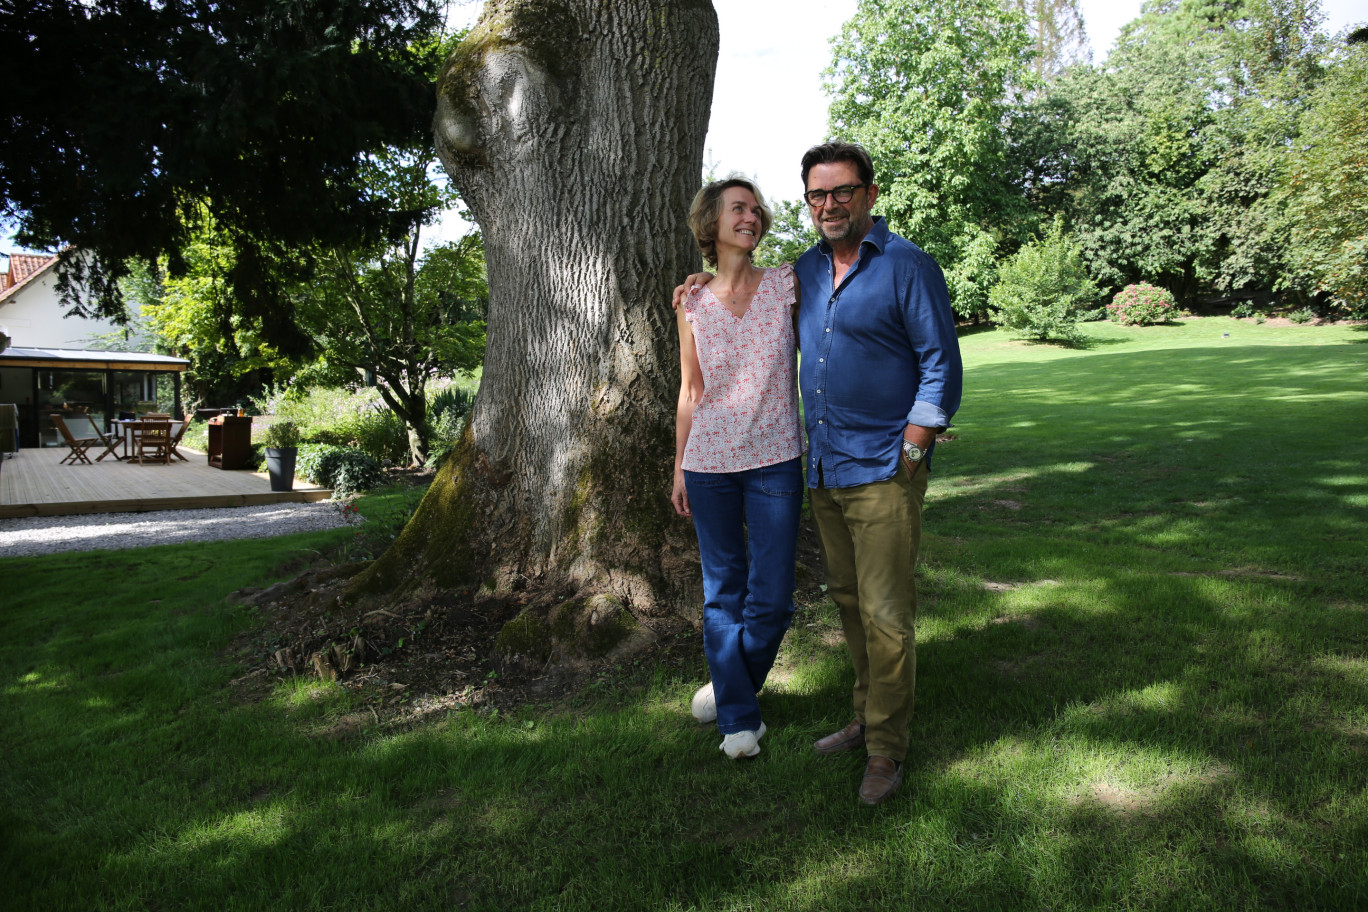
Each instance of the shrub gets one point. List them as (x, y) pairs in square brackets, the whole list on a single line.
[(342, 417), (281, 434), (1043, 290), (1142, 305), (382, 435), (1305, 315), (446, 420), (344, 469)]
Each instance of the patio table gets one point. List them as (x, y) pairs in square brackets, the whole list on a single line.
[(122, 429), (129, 428)]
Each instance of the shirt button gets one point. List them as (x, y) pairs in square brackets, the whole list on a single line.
[(819, 391), (821, 360), (820, 421), (828, 329)]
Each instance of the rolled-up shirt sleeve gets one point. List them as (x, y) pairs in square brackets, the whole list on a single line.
[(928, 414)]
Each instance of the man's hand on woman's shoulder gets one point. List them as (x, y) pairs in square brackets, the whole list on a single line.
[(682, 291)]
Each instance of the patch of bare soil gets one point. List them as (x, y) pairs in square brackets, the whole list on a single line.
[(1128, 802), (434, 651), (993, 586), (1243, 572)]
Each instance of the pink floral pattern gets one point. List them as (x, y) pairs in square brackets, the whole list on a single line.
[(748, 416)]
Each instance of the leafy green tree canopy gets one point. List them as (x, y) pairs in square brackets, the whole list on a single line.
[(190, 315), (1325, 186), (1059, 38), (1164, 158), (386, 310), (396, 312), (925, 86), (128, 114)]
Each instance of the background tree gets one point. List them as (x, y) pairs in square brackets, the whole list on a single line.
[(395, 312), (926, 86), (191, 316), (1325, 186), (1164, 159), (574, 131), (1137, 130), (790, 235), (131, 114), (391, 312), (1059, 38)]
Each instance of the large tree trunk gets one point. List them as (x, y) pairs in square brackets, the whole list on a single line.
[(574, 130)]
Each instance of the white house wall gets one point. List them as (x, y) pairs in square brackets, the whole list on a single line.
[(34, 316)]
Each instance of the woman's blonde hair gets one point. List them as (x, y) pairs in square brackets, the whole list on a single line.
[(707, 208)]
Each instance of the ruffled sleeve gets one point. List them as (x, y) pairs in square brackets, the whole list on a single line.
[(787, 276), (788, 281), (691, 302)]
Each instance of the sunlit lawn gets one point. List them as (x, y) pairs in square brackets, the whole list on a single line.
[(1142, 684)]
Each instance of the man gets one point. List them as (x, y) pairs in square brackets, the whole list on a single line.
[(880, 376)]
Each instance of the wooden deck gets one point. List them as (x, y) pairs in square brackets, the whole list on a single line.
[(33, 483)]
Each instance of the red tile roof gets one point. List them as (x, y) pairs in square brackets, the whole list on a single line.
[(22, 267)]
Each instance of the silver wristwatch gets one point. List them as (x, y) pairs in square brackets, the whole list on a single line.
[(913, 452)]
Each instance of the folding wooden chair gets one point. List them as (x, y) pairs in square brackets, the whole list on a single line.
[(177, 432), (110, 442), (77, 445), (154, 442)]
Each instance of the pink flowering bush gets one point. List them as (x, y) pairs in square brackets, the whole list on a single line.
[(1142, 305)]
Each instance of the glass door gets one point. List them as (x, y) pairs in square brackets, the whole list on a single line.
[(68, 393)]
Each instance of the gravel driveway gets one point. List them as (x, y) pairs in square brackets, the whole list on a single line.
[(109, 531)]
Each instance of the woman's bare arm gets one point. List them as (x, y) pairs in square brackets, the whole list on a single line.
[(690, 392)]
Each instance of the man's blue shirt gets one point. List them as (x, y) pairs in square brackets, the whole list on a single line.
[(878, 353)]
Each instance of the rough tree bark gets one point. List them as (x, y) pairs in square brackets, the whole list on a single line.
[(574, 130)]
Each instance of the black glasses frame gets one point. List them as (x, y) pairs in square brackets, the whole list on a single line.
[(842, 194)]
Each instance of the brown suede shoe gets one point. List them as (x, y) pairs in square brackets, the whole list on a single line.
[(848, 738), (881, 779)]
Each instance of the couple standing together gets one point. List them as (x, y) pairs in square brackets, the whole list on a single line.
[(880, 376)]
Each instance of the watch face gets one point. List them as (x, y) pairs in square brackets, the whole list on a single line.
[(912, 451)]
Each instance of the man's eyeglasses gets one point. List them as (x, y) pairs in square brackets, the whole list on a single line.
[(844, 194)]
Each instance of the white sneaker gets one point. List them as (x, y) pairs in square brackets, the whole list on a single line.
[(705, 704), (742, 744)]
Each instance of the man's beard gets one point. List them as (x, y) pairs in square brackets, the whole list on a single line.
[(840, 234)]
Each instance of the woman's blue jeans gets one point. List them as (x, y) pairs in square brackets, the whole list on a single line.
[(747, 525)]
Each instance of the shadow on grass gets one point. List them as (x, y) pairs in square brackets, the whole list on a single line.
[(1246, 454), (635, 808), (964, 330), (1151, 709)]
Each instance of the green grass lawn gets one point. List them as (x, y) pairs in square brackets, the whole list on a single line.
[(1142, 685)]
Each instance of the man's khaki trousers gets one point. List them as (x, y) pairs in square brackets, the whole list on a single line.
[(869, 536)]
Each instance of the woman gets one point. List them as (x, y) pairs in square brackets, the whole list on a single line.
[(738, 441)]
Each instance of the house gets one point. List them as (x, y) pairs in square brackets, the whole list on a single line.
[(52, 363)]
